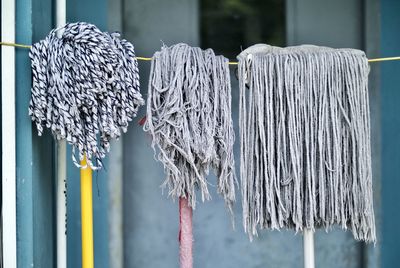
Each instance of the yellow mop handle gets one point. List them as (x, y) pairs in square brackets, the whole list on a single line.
[(87, 216)]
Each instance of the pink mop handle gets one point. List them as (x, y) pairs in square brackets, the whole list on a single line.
[(185, 234)]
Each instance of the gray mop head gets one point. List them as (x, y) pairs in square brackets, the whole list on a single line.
[(305, 139), (189, 119), (85, 88)]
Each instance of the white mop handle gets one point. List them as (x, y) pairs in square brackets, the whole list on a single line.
[(61, 204), (308, 241), (61, 18), (61, 13)]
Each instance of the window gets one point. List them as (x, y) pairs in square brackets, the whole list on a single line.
[(227, 26)]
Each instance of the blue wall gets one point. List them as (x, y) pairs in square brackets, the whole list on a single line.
[(150, 217), (390, 95), (44, 234), (35, 169), (35, 166), (95, 12), (36, 228), (23, 137)]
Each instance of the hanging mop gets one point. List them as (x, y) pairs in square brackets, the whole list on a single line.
[(189, 119), (85, 89), (305, 139)]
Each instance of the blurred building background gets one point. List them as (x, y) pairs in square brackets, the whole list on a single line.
[(136, 225)]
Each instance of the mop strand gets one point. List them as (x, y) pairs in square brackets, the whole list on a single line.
[(189, 118), (85, 88), (305, 139)]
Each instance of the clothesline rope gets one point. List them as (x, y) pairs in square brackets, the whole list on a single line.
[(230, 63)]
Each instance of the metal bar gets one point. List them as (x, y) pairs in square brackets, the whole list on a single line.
[(61, 205), (308, 240), (61, 15), (115, 208)]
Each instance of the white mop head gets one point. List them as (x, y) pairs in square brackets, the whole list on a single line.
[(305, 139), (189, 118), (85, 88)]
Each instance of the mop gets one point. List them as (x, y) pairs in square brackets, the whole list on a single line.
[(85, 89), (305, 139), (189, 119)]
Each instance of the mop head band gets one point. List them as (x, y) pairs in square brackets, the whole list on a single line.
[(85, 88), (189, 119), (305, 139)]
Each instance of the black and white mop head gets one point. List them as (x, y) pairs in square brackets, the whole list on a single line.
[(85, 88), (189, 119), (305, 139)]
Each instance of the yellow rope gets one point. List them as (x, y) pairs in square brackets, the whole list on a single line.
[(14, 45), (143, 58), (230, 63), (383, 59)]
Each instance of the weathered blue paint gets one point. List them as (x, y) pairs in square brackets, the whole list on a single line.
[(35, 184), (100, 221), (91, 11), (390, 97), (24, 153), (43, 168), (95, 12), (44, 224)]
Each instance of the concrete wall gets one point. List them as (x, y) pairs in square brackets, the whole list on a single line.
[(92, 11), (354, 24), (390, 99), (151, 219)]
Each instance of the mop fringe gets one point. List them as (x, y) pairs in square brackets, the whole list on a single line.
[(189, 119), (85, 88), (305, 139)]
